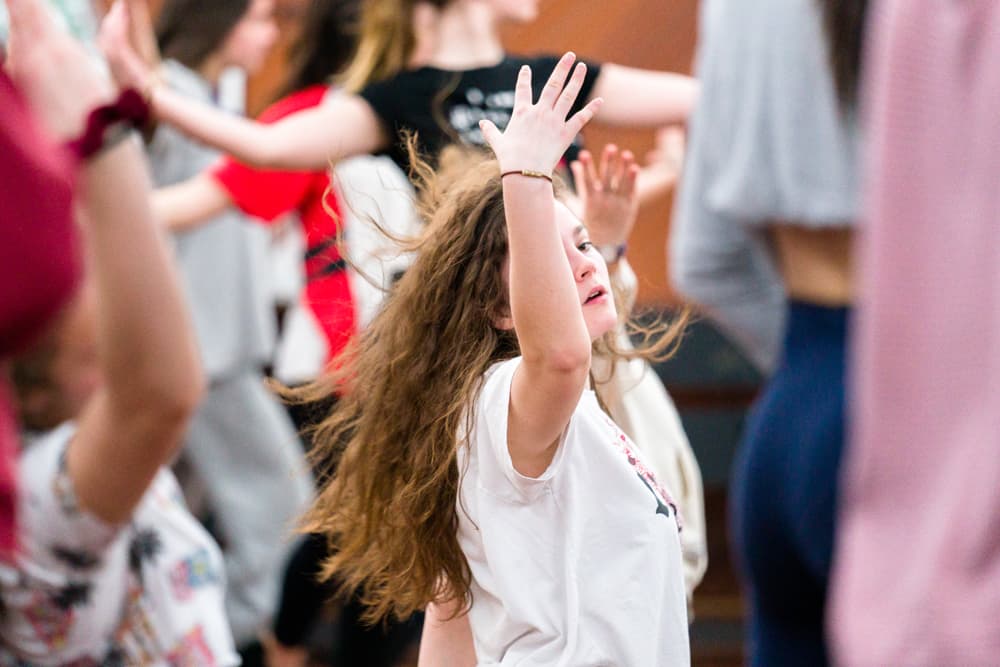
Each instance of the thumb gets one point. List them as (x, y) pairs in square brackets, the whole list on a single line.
[(490, 132)]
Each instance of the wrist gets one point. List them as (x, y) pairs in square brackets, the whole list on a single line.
[(526, 173), (108, 124)]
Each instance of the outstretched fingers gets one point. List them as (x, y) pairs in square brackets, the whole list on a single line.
[(566, 99), (557, 80), (491, 134), (579, 120), (630, 175), (522, 89), (608, 159)]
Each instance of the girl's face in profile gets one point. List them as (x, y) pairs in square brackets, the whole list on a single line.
[(250, 40), (590, 274)]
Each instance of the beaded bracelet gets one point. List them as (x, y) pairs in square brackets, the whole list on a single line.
[(529, 173), (110, 123)]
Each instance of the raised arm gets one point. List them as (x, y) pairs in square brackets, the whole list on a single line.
[(152, 380), (310, 140), (664, 98), (152, 376), (544, 299)]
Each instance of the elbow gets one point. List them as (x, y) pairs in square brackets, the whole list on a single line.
[(183, 400), (568, 362), (173, 406), (260, 154), (166, 402)]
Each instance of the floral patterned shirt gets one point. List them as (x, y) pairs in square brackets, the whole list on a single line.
[(85, 593)]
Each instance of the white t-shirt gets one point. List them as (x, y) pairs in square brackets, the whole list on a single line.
[(83, 592), (578, 567)]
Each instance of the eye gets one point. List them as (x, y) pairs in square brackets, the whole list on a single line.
[(585, 246)]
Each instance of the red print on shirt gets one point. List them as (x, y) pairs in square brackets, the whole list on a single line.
[(663, 498)]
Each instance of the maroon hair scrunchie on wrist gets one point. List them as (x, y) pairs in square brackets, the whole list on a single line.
[(131, 108)]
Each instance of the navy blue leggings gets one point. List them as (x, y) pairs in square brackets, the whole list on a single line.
[(785, 490)]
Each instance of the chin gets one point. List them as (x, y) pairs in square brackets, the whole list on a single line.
[(602, 323)]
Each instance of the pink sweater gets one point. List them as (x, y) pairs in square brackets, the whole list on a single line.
[(917, 574)]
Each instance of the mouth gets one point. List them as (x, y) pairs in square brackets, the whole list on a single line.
[(596, 295)]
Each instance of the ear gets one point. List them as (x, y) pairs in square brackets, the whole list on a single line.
[(504, 323)]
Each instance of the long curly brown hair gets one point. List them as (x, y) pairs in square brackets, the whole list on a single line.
[(388, 499)]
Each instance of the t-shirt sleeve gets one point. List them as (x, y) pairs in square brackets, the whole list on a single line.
[(385, 99), (496, 467), (56, 534)]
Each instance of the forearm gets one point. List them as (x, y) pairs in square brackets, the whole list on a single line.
[(545, 305), (667, 98), (246, 140), (189, 204), (309, 140), (447, 638), (147, 344)]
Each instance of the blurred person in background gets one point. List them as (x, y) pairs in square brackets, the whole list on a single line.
[(917, 576), (111, 567), (435, 67), (762, 241), (323, 49), (241, 446), (39, 256)]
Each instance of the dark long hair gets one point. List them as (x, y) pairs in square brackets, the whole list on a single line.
[(325, 45), (844, 22), (188, 31)]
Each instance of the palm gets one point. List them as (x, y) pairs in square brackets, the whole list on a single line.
[(608, 194)]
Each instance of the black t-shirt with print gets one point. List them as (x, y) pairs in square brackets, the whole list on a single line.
[(445, 107)]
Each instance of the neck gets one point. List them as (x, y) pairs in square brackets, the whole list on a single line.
[(211, 70), (461, 36)]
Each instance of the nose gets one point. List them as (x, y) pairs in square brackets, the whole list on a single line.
[(584, 266)]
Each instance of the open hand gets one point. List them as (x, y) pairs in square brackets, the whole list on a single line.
[(53, 71), (123, 24), (539, 133), (142, 34), (608, 194)]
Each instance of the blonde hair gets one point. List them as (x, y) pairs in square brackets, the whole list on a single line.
[(386, 41)]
